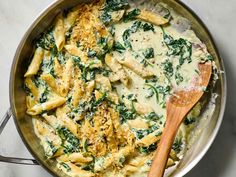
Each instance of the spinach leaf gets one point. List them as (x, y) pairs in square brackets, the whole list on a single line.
[(73, 141), (132, 97), (91, 53), (115, 5), (131, 15), (209, 57), (164, 90), (68, 33), (106, 17), (37, 81), (51, 149), (153, 79), (125, 113), (27, 90), (135, 26), (126, 36), (111, 29), (168, 68), (144, 132), (154, 89), (99, 101), (89, 166), (88, 108), (149, 149), (178, 47), (87, 73), (77, 60), (65, 166), (48, 66), (168, 14), (110, 6), (119, 47), (189, 120), (177, 145), (43, 97), (178, 78), (105, 44), (148, 53), (148, 27), (152, 116), (61, 57), (47, 41)]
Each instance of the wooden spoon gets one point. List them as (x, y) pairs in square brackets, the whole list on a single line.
[(178, 107)]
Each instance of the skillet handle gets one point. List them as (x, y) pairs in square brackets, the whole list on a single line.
[(14, 160)]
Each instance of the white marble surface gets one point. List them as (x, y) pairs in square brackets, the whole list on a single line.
[(220, 161)]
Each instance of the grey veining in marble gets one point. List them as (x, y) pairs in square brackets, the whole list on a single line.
[(220, 17)]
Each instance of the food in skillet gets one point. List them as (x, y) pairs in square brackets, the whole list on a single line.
[(98, 84)]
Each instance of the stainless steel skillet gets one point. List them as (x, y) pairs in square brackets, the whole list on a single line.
[(24, 124)]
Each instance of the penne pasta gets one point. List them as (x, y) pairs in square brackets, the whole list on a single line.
[(66, 77), (103, 82), (89, 88), (59, 32), (49, 105), (170, 163), (78, 92), (52, 120), (71, 17), (117, 69), (75, 157), (63, 110), (142, 108), (30, 102), (138, 124), (57, 68), (50, 141), (116, 16), (113, 158), (136, 67), (69, 124), (149, 139), (73, 50), (35, 63), (34, 90), (152, 17), (51, 81)]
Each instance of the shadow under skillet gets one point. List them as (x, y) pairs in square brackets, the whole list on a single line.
[(219, 156)]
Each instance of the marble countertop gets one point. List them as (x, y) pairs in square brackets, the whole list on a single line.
[(220, 160)]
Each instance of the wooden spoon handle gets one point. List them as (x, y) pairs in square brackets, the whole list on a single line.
[(162, 153)]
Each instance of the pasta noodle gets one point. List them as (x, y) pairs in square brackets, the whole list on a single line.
[(119, 72), (53, 103), (152, 18), (29, 83), (35, 64), (51, 81), (59, 32), (136, 67), (66, 76)]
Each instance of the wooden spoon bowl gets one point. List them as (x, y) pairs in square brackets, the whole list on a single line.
[(178, 106)]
